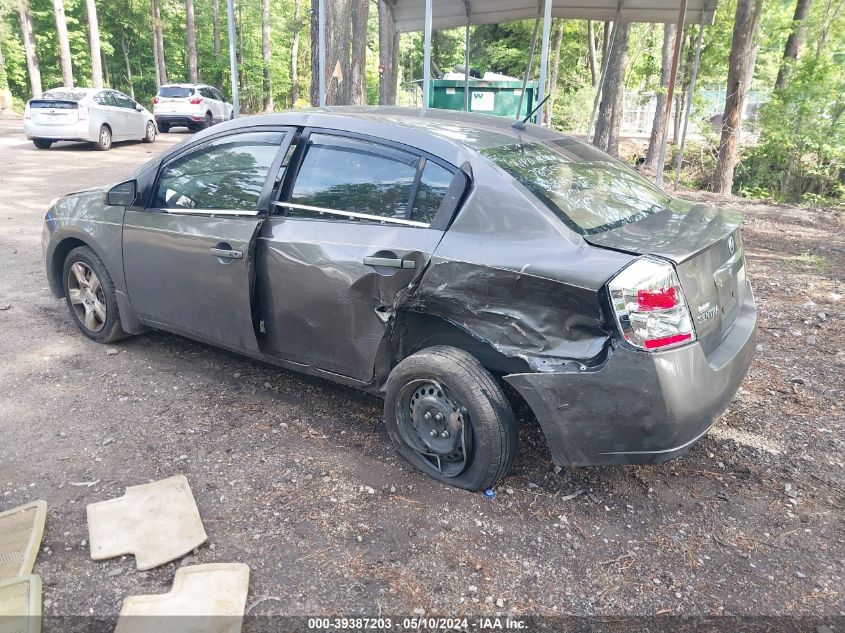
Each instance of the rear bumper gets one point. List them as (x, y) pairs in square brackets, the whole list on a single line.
[(80, 131), (638, 407), (178, 120)]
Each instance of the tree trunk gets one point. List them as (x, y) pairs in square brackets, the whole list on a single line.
[(155, 58), (314, 90), (215, 22), (159, 43), (5, 93), (294, 55), (29, 49), (191, 39), (106, 78), (265, 56), (591, 46), (660, 106), (794, 43), (64, 43), (338, 52), (613, 96), (94, 35), (746, 25), (388, 50), (605, 40), (125, 46), (552, 89), (360, 14)]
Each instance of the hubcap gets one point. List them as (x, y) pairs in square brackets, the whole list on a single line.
[(151, 131), (105, 137), (86, 296), (435, 425)]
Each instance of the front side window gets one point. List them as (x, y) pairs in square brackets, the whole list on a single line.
[(226, 174), (123, 101), (352, 175)]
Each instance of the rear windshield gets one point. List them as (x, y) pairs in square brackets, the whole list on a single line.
[(590, 191), (64, 95), (175, 91)]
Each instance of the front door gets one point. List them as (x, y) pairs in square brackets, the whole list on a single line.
[(357, 227), (189, 255)]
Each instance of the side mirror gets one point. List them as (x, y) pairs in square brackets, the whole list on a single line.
[(139, 107), (122, 195)]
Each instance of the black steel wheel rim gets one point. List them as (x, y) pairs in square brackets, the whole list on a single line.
[(435, 425)]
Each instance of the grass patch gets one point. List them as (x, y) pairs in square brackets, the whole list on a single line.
[(808, 262)]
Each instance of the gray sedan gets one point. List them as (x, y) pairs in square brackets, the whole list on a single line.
[(433, 258)]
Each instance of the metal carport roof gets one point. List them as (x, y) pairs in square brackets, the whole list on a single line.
[(409, 15)]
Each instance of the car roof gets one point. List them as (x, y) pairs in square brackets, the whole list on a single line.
[(467, 130), (185, 86), (87, 91)]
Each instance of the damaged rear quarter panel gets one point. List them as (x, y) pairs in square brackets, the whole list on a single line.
[(510, 273)]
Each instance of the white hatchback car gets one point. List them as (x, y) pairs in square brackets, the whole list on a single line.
[(86, 114), (195, 106)]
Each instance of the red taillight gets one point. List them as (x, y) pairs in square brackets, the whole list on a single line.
[(155, 100), (649, 305), (656, 343), (196, 101), (661, 299)]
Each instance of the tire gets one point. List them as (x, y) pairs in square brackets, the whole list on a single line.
[(104, 139), (475, 409), (208, 121), (42, 143), (150, 136), (164, 128), (105, 330)]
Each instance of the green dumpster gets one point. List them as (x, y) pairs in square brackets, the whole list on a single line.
[(485, 97)]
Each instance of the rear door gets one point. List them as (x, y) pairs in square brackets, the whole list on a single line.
[(355, 227), (188, 255)]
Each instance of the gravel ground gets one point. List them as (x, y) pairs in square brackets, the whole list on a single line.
[(297, 478)]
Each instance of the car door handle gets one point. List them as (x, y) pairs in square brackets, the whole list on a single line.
[(389, 262), (226, 254)]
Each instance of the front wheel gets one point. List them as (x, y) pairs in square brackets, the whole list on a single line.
[(90, 296), (449, 418), (150, 135), (104, 140), (42, 143)]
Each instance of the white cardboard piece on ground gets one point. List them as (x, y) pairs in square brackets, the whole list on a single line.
[(204, 599), (21, 530), (20, 605), (157, 522)]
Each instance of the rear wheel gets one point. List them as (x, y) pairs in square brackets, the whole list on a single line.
[(164, 128), (150, 135), (208, 121), (104, 140), (449, 418), (42, 143), (90, 296)]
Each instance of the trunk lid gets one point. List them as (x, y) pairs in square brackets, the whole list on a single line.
[(706, 248), (54, 111)]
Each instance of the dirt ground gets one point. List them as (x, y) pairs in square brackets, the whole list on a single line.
[(297, 478)]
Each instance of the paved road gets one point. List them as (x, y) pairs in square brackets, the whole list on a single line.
[(296, 477)]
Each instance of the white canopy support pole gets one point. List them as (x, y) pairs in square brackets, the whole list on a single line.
[(233, 60), (321, 46), (604, 62), (528, 67), (670, 93), (427, 55), (544, 58), (680, 160), (466, 67)]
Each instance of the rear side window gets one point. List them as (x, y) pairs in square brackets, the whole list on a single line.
[(226, 174), (175, 92), (352, 175), (432, 189), (104, 98)]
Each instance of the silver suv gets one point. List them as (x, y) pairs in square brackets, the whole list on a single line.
[(195, 106)]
